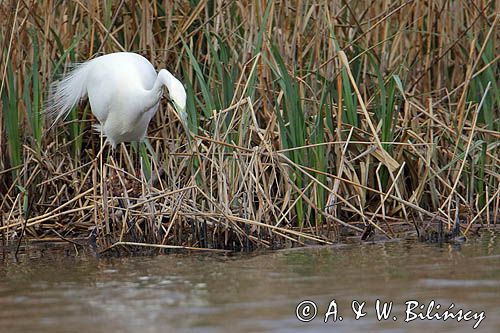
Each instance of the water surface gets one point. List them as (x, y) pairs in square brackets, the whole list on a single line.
[(254, 293)]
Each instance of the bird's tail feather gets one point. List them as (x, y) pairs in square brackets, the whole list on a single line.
[(97, 128), (67, 92)]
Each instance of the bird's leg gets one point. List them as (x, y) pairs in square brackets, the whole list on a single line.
[(134, 160), (127, 159), (155, 177), (102, 170), (146, 166)]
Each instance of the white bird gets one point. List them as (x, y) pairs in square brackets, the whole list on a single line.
[(124, 92)]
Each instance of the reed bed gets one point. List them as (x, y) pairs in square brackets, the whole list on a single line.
[(310, 121)]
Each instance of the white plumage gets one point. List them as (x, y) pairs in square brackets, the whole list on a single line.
[(124, 93)]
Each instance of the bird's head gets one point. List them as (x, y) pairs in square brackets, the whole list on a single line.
[(177, 94)]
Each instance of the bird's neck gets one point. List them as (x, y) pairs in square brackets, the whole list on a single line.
[(156, 91)]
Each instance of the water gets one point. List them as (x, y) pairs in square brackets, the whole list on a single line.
[(253, 293)]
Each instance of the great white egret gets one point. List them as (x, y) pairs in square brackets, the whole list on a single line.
[(124, 92)]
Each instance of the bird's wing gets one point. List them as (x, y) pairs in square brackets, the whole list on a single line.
[(100, 92)]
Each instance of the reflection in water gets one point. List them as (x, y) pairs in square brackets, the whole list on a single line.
[(258, 292)]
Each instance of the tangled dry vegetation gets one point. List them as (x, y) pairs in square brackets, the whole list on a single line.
[(311, 120)]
